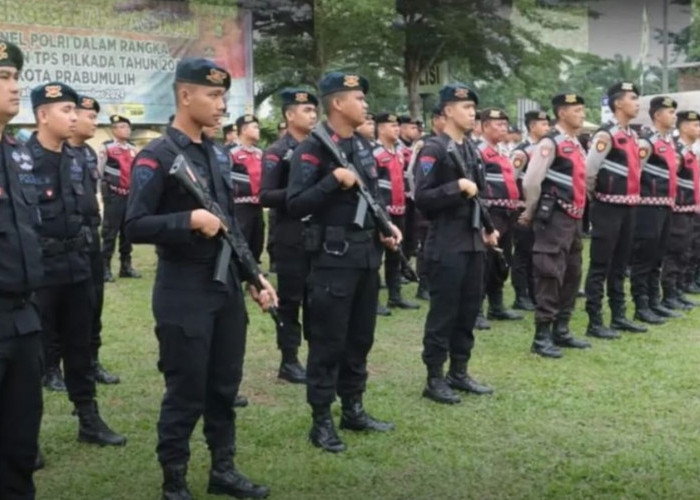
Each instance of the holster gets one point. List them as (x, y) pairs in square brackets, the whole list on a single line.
[(546, 208)]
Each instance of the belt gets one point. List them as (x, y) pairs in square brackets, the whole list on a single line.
[(56, 246), (352, 235), (14, 301)]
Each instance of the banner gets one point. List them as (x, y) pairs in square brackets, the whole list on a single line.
[(124, 52)]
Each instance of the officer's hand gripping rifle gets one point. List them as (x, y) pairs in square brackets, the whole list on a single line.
[(378, 213), (188, 179), (481, 213)]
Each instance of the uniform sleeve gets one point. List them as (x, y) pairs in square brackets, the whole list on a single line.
[(143, 223), (431, 195), (645, 150), (102, 159), (309, 189), (542, 158), (600, 147), (519, 160), (273, 193)]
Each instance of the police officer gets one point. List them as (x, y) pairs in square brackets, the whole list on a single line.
[(687, 201), (200, 323), (555, 196), (299, 108), (502, 196), (246, 175), (613, 177), (454, 247), (409, 133), (230, 136), (390, 163), (66, 299), (116, 158), (658, 193), (343, 283), (20, 275), (87, 110), (522, 278)]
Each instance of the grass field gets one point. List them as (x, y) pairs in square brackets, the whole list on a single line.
[(619, 421)]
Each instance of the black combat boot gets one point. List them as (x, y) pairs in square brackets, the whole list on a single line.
[(458, 379), (662, 311), (597, 329), (126, 271), (355, 418), (671, 301), (562, 337), (175, 483), (383, 311), (620, 322), (53, 379), (686, 301), (93, 429), (438, 389), (481, 322), (498, 311), (643, 313), (102, 376), (542, 343), (397, 301), (240, 401), (523, 303), (291, 369), (423, 292), (224, 479), (323, 434), (108, 277)]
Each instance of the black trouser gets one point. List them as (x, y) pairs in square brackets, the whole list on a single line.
[(650, 238), (504, 220), (20, 414), (271, 238), (677, 253), (250, 220), (693, 253), (611, 247), (342, 316), (422, 226), (392, 264), (67, 315), (556, 259), (410, 239), (113, 226), (292, 271), (521, 271), (201, 337), (456, 288)]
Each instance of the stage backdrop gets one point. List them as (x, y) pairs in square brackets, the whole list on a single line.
[(124, 52)]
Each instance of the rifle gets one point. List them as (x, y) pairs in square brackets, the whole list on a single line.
[(188, 179), (367, 201), (480, 211)]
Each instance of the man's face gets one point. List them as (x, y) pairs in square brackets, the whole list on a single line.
[(251, 132), (205, 105), (462, 114), (410, 131), (539, 128), (232, 136), (666, 118), (388, 132), (352, 106), (691, 130), (86, 124), (121, 131), (302, 117), (9, 93), (59, 118), (573, 116), (367, 129), (628, 104), (495, 131), (438, 124)]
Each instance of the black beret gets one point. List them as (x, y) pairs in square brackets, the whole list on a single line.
[(533, 116), (569, 99), (228, 128), (387, 118), (661, 102), (370, 117), (291, 96), (513, 129), (53, 92), (687, 116), (336, 81), (114, 119), (623, 87), (89, 103), (457, 92), (11, 55), (407, 120), (437, 111), (493, 114), (282, 126), (200, 71), (419, 123), (245, 120)]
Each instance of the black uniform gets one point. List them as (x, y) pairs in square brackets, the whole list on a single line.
[(522, 274), (20, 341), (291, 262), (66, 297), (200, 324), (343, 283), (454, 252)]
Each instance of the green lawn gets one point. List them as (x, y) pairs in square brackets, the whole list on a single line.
[(617, 421)]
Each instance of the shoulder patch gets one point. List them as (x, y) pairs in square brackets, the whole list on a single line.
[(426, 163), (146, 162), (310, 158)]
